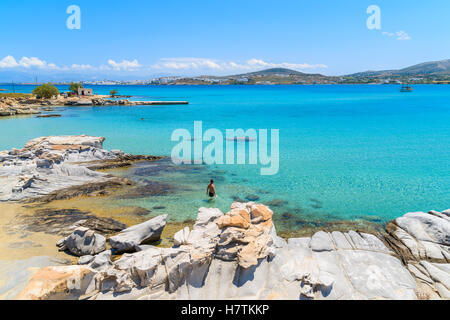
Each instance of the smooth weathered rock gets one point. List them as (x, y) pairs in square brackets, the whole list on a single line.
[(56, 142), (85, 259), (301, 268), (425, 235), (182, 237), (11, 107), (49, 164), (101, 261), (321, 241), (54, 283), (149, 231), (219, 260), (423, 241), (260, 213), (82, 242), (61, 167), (239, 218), (246, 234)]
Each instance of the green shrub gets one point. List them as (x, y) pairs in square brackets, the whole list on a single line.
[(46, 91), (74, 86)]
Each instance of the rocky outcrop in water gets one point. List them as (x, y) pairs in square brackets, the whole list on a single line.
[(150, 231), (100, 101), (30, 105), (11, 107), (59, 167), (82, 242), (239, 256)]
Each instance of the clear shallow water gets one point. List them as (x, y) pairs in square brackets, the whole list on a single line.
[(346, 152)]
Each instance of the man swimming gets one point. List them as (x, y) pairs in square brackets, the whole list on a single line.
[(211, 189)]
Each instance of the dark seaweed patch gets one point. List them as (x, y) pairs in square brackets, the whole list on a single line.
[(59, 221), (148, 189), (237, 199), (276, 203), (252, 197)]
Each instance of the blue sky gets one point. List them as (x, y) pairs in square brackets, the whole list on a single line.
[(137, 39)]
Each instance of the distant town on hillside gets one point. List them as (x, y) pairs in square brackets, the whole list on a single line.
[(436, 72)]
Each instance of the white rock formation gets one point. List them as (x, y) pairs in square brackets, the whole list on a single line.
[(83, 242), (239, 256), (10, 107), (423, 241), (49, 164), (127, 240)]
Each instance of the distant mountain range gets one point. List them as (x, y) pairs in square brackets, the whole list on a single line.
[(277, 75), (427, 68), (428, 72), (271, 71)]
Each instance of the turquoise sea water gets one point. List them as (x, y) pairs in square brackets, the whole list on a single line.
[(345, 151)]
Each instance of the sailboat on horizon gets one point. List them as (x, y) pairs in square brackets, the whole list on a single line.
[(406, 87)]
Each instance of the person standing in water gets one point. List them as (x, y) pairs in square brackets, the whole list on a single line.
[(211, 189)]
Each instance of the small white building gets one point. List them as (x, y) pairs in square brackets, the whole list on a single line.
[(242, 80), (85, 92)]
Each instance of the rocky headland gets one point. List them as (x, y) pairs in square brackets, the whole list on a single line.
[(60, 167), (236, 255), (17, 106), (10, 106)]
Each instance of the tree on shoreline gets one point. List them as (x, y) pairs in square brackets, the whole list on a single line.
[(74, 86), (46, 91), (113, 93)]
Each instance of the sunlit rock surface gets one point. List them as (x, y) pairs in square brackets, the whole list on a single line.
[(62, 282), (82, 242), (127, 240), (423, 241), (238, 255), (49, 164)]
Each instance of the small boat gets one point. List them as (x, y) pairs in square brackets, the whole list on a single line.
[(406, 88)]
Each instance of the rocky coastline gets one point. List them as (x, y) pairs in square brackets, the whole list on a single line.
[(60, 167), (236, 255), (30, 105)]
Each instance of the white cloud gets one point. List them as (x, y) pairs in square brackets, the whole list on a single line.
[(196, 65), (32, 62), (25, 62), (201, 63), (81, 67), (186, 63), (401, 35), (124, 65), (262, 63), (8, 62)]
